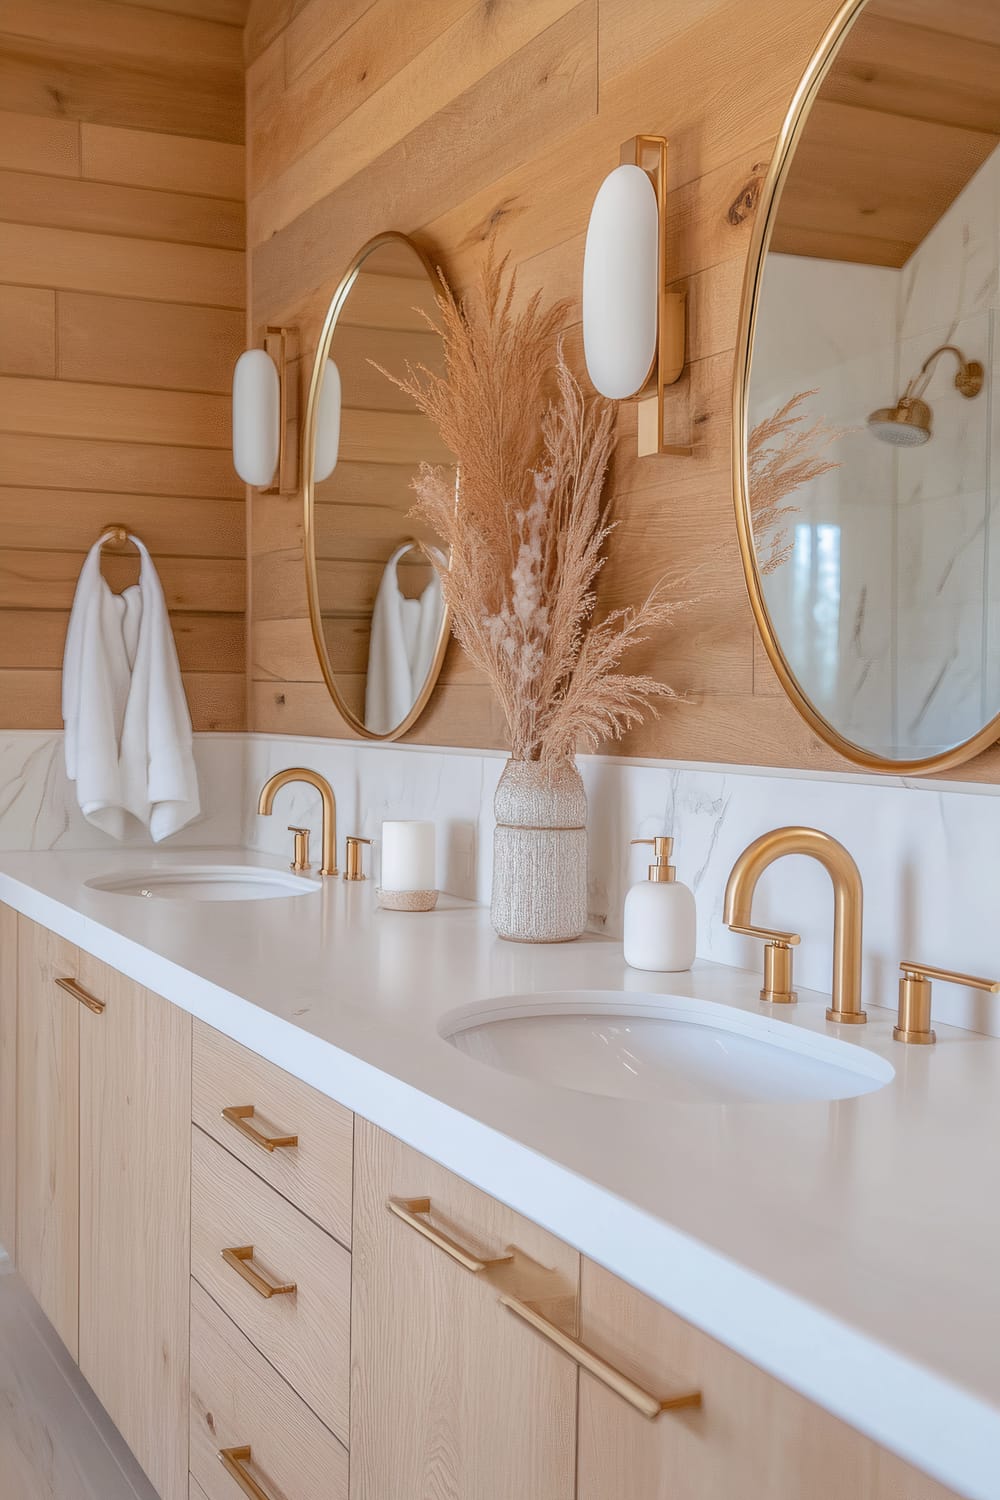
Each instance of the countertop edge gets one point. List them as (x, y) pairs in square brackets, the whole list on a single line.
[(927, 1420)]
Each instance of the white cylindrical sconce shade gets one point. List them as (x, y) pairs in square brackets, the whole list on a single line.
[(327, 424), (621, 283), (256, 417), (408, 860)]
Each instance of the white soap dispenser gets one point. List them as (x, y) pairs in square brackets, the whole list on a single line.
[(660, 922)]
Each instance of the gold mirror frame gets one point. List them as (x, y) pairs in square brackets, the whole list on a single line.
[(760, 240), (340, 296)]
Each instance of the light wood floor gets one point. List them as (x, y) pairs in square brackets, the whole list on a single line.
[(56, 1442)]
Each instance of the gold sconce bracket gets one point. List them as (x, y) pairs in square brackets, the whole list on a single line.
[(282, 344), (650, 153)]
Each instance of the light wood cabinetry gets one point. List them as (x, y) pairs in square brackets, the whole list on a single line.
[(48, 1122), (451, 1396), (239, 1401), (751, 1437), (304, 1332), (135, 1176), (8, 1079), (315, 1173), (459, 1350)]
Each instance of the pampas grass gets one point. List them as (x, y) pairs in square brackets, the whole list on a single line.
[(782, 456), (525, 531)]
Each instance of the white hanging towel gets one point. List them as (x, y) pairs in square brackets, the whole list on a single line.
[(128, 731), (402, 646)]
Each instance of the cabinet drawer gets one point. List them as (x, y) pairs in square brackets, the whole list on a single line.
[(305, 1332), (238, 1401), (752, 1436), (315, 1174)]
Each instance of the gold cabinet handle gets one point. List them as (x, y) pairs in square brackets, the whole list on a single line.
[(239, 1257), (411, 1210), (240, 1115), (74, 988), (233, 1460), (650, 1406)]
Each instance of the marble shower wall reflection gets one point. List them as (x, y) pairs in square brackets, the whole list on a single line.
[(890, 618)]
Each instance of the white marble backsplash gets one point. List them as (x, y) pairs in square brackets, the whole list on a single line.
[(927, 850), (38, 807)]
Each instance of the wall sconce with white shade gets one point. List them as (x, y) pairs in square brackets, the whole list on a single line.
[(260, 415), (633, 328)]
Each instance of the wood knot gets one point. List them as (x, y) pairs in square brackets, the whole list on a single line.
[(744, 205)]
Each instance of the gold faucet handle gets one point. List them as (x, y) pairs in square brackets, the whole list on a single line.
[(354, 869), (778, 987), (783, 939), (300, 860), (913, 1024)]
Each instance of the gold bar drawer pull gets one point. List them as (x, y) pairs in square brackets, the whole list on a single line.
[(72, 987), (233, 1460), (239, 1257), (412, 1211), (240, 1115), (650, 1406)]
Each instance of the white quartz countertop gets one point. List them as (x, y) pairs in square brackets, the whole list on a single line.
[(850, 1248)]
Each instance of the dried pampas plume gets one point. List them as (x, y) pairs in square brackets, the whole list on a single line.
[(525, 532), (782, 456)]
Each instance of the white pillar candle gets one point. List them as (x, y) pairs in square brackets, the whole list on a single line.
[(408, 857)]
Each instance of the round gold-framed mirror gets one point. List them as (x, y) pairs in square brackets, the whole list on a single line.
[(379, 622), (865, 413)]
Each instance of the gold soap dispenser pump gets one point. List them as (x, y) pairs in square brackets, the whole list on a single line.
[(660, 929)]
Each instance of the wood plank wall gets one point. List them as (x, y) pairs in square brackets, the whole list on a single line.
[(122, 288), (448, 119)]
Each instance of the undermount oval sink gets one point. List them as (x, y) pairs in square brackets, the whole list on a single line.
[(665, 1049), (207, 883)]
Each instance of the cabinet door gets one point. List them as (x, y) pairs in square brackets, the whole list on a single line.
[(48, 1107), (752, 1437), (135, 1148), (451, 1395), (8, 1078)]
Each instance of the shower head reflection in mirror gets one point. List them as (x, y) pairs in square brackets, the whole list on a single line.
[(874, 288)]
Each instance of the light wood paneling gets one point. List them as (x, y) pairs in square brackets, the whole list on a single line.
[(8, 1079), (27, 331), (315, 1174), (106, 208), (306, 1334), (149, 159), (490, 147), (135, 1216), (121, 293), (32, 699), (123, 341), (48, 1127), (906, 115)]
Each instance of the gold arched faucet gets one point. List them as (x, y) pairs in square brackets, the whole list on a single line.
[(312, 778), (848, 901)]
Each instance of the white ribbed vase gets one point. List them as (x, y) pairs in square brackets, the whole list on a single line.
[(540, 854)]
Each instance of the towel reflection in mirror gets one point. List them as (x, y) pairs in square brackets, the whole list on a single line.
[(405, 632)]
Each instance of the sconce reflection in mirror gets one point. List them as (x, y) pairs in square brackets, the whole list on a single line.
[(633, 328), (908, 423), (261, 455)]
